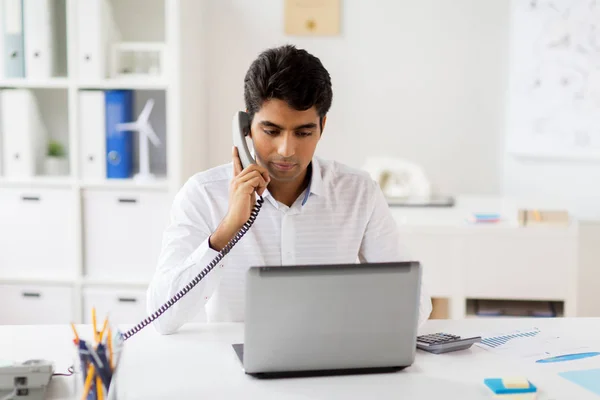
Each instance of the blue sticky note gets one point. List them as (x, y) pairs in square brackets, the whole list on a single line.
[(588, 379), (497, 386)]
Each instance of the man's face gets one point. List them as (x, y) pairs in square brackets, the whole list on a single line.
[(285, 139)]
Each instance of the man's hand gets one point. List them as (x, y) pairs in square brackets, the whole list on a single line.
[(242, 198)]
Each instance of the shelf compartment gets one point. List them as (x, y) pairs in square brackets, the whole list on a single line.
[(31, 120), (514, 308), (94, 130)]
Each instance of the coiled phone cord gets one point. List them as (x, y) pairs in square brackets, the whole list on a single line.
[(201, 275)]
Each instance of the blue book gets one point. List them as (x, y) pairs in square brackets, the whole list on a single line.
[(119, 144)]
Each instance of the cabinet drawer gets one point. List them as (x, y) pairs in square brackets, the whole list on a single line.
[(123, 306), (123, 233), (37, 232), (35, 304)]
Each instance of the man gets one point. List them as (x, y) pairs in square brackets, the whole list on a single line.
[(314, 212)]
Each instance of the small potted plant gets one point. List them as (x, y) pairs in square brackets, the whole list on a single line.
[(56, 163)]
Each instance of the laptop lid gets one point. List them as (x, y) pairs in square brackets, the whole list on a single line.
[(328, 317)]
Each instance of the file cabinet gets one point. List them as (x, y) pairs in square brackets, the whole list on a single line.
[(24, 304), (37, 233), (123, 233)]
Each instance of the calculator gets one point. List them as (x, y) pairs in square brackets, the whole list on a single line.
[(444, 342)]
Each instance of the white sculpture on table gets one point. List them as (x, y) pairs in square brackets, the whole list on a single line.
[(146, 133), (399, 178)]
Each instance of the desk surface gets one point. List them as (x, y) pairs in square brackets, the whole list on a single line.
[(198, 362)]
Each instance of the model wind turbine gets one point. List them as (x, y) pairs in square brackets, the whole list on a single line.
[(146, 133)]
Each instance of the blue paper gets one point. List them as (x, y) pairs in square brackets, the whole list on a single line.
[(588, 379), (568, 357)]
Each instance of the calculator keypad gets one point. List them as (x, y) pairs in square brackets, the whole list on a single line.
[(442, 342), (437, 338)]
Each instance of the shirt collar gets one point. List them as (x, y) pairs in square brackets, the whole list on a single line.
[(315, 184)]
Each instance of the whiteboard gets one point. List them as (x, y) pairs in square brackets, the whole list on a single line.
[(554, 79)]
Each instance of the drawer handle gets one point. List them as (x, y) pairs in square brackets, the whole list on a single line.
[(123, 200), (31, 294), (30, 198), (127, 300)]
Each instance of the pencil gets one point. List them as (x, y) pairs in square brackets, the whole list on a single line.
[(75, 332), (94, 324), (99, 394), (88, 382), (109, 344), (101, 335)]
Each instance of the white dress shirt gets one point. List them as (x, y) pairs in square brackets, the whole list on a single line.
[(341, 218)]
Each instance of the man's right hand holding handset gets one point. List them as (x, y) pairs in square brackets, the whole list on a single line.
[(244, 186)]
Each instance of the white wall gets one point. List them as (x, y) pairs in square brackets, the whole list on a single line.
[(570, 184), (424, 80)]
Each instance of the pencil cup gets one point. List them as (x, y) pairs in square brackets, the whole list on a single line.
[(94, 373), (79, 389)]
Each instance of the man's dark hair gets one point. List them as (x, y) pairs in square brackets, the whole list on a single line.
[(289, 74)]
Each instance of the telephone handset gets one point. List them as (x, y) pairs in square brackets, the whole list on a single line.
[(241, 128)]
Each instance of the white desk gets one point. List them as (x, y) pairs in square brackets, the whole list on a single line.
[(198, 362)]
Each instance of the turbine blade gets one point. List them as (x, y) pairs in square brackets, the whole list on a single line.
[(145, 114), (152, 136), (127, 126)]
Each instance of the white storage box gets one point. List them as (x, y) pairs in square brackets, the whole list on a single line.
[(37, 233), (123, 233), (123, 306), (36, 304)]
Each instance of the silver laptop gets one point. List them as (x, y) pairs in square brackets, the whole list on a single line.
[(330, 319)]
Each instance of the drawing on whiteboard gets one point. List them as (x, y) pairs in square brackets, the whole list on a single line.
[(554, 106)]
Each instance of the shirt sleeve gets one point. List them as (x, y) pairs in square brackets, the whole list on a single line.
[(382, 243), (184, 254)]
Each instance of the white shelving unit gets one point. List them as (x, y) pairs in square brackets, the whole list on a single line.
[(68, 243), (501, 262)]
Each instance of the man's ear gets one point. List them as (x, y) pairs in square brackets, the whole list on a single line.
[(323, 120), (250, 127)]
